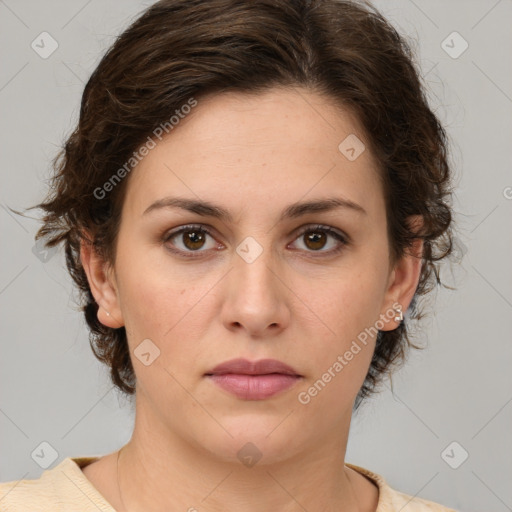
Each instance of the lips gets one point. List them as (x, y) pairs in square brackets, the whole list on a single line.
[(261, 367), (254, 380)]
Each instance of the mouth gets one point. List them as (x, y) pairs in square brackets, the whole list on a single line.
[(254, 380)]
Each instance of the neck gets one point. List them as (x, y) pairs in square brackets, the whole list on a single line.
[(159, 470)]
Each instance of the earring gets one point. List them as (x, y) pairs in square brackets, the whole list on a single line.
[(400, 315)]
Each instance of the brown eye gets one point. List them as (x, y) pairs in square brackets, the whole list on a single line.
[(189, 239), (316, 238), (193, 240)]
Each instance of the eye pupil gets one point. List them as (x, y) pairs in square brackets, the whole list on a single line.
[(314, 237), (196, 238)]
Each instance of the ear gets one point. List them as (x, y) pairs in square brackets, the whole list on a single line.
[(102, 284), (404, 277)]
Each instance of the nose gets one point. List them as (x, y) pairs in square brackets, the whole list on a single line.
[(256, 297)]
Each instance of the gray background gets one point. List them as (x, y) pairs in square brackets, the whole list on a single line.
[(459, 389)]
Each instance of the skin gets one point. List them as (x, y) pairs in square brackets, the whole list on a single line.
[(253, 155)]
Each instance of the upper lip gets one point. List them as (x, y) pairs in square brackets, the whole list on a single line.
[(246, 367)]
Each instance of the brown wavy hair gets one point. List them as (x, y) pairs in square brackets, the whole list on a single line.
[(181, 49)]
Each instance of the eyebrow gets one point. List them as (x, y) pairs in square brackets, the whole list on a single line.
[(294, 210)]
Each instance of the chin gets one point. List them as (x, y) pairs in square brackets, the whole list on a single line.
[(253, 441)]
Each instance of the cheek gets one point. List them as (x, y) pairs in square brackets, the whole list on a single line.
[(150, 304), (154, 294), (341, 355), (342, 314), (166, 304), (345, 302)]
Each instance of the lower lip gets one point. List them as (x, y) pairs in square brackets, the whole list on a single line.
[(254, 387)]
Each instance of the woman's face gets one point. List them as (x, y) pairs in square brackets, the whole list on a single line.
[(253, 285)]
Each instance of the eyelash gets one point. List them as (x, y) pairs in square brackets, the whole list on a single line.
[(344, 240)]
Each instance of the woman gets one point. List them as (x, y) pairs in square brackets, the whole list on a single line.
[(254, 196)]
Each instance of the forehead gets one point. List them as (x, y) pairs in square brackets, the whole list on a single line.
[(266, 149)]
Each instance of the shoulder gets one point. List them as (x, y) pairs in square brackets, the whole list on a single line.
[(391, 500), (30, 494), (61, 488)]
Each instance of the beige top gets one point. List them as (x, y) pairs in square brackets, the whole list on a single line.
[(65, 488)]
